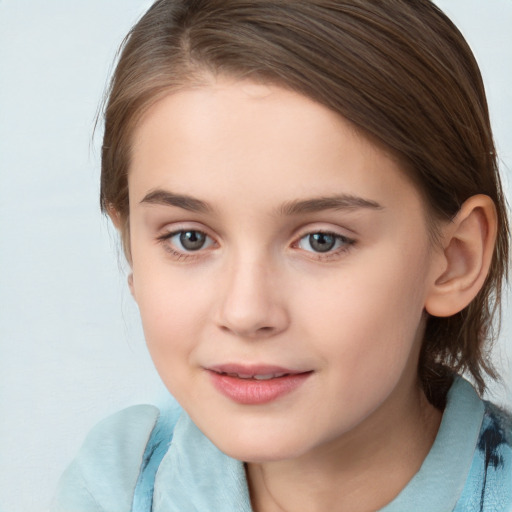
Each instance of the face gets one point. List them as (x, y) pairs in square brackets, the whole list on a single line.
[(281, 264)]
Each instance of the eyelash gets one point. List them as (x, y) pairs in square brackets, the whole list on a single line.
[(346, 244)]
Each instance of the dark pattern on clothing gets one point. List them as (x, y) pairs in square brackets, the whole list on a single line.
[(491, 440)]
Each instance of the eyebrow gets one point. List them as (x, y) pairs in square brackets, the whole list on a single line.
[(338, 202), (165, 198)]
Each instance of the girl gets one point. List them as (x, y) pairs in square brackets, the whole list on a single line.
[(308, 198)]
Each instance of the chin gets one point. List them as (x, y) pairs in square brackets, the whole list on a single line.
[(261, 448)]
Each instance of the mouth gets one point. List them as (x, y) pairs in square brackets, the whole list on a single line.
[(256, 385), (265, 376)]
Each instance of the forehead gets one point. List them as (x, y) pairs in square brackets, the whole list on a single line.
[(246, 138)]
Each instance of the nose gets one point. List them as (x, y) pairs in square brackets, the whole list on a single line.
[(252, 301)]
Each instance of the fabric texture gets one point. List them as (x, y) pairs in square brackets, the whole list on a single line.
[(140, 460)]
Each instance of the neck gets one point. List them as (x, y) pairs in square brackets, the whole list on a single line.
[(360, 471)]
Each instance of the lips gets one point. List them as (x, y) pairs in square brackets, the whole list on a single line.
[(254, 385)]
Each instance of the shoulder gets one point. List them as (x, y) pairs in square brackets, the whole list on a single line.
[(495, 445), (104, 474), (497, 426), (489, 485)]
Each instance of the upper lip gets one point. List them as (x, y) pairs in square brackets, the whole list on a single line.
[(252, 370)]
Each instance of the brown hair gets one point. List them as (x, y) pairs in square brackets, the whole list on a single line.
[(398, 69)]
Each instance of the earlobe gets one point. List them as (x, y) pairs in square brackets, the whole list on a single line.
[(468, 246)]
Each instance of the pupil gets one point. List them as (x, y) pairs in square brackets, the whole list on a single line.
[(192, 240), (322, 242)]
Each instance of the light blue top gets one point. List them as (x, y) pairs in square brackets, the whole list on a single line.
[(139, 460)]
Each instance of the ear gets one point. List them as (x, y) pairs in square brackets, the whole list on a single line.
[(467, 250), (122, 224), (115, 217), (130, 284)]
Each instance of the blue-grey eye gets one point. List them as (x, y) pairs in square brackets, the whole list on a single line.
[(322, 242), (191, 240)]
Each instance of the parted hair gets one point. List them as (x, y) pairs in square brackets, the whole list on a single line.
[(399, 70)]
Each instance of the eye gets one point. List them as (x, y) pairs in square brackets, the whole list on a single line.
[(323, 242), (189, 240)]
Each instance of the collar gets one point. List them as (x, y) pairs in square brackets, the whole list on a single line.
[(440, 481), (196, 476)]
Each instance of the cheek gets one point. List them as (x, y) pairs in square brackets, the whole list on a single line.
[(171, 312), (368, 317)]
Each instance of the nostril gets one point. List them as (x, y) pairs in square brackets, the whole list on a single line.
[(249, 316), (249, 333)]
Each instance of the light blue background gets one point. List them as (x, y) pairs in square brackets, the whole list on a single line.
[(71, 348)]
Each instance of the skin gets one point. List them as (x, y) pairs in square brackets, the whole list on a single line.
[(258, 293)]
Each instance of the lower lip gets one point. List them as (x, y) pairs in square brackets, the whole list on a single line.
[(255, 392)]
